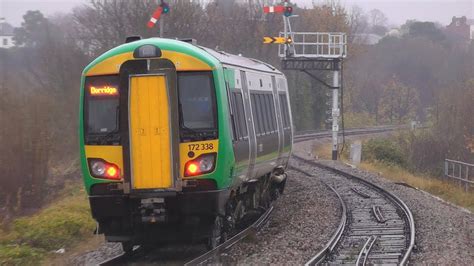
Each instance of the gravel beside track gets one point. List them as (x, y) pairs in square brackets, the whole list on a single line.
[(444, 232), (304, 219), (106, 251), (378, 230)]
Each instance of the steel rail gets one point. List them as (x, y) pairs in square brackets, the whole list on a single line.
[(331, 244), (307, 136), (206, 257), (255, 227), (364, 252), (299, 137), (303, 132), (121, 258), (407, 213)]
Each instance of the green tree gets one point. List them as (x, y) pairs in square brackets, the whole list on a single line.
[(428, 30), (399, 102), (34, 29)]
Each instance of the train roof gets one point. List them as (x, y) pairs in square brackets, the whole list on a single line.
[(240, 61), (209, 56)]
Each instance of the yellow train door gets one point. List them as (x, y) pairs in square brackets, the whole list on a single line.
[(150, 140)]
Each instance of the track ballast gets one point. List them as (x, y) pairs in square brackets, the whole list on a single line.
[(376, 226)]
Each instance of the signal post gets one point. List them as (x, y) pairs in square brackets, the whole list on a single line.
[(316, 54)]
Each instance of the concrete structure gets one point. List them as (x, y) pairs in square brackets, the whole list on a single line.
[(6, 35), (470, 22), (462, 27)]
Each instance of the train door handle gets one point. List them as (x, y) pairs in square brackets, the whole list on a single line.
[(157, 131), (141, 131)]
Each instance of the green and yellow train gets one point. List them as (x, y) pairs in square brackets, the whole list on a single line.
[(179, 141)]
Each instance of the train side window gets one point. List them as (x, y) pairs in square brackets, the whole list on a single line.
[(268, 112), (239, 113), (272, 112), (263, 113), (234, 116), (254, 113), (260, 115), (257, 114), (287, 112), (284, 110)]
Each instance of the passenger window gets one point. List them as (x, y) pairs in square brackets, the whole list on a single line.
[(260, 114), (233, 116), (263, 104), (268, 113), (272, 112), (284, 111), (254, 113), (239, 113)]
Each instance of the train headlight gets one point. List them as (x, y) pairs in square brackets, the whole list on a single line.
[(206, 163), (98, 168), (102, 169), (201, 165)]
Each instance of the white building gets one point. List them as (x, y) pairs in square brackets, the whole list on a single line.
[(367, 38), (470, 22), (6, 35)]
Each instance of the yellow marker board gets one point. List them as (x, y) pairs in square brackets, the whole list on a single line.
[(277, 40), (150, 135)]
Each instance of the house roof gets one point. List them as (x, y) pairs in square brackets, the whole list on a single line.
[(6, 29)]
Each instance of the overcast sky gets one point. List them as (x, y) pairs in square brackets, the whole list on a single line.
[(397, 11)]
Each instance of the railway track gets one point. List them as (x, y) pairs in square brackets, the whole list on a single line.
[(140, 256), (328, 254), (309, 135), (376, 227)]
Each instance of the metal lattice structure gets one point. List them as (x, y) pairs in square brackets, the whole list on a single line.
[(316, 51), (315, 45)]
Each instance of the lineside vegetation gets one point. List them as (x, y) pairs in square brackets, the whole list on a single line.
[(390, 157), (30, 239)]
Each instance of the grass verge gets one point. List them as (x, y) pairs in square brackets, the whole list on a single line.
[(447, 191), (62, 224)]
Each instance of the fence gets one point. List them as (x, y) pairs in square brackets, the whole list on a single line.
[(461, 172), (324, 45)]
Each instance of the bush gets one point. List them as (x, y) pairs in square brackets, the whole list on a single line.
[(356, 120), (383, 150), (19, 255), (62, 224), (425, 152)]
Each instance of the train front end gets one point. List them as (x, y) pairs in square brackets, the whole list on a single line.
[(149, 141)]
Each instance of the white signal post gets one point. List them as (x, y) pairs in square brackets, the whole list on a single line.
[(162, 27), (315, 51), (335, 114)]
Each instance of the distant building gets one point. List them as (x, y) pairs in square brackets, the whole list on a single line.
[(470, 22), (462, 27), (6, 35), (394, 32)]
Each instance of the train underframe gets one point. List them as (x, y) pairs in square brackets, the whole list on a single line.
[(209, 216)]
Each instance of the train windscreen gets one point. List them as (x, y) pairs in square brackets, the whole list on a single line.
[(101, 105), (197, 104)]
